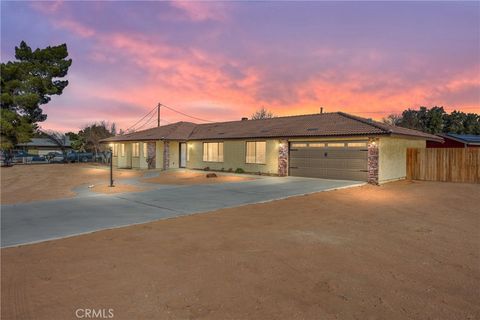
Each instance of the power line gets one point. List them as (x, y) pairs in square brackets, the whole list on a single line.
[(148, 121), (182, 113), (141, 119)]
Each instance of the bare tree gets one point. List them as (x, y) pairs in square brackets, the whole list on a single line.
[(393, 119), (93, 133), (262, 113), (58, 138)]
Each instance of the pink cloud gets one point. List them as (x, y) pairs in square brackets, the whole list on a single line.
[(75, 27), (47, 7), (202, 10)]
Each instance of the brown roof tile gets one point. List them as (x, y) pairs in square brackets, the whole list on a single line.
[(312, 125)]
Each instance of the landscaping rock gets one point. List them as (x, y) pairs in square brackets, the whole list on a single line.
[(211, 175)]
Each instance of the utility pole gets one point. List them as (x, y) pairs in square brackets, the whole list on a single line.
[(158, 114)]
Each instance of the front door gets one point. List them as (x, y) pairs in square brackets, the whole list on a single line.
[(183, 154)]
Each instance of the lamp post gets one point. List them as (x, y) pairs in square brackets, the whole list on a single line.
[(111, 168)]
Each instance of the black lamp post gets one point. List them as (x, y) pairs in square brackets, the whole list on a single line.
[(111, 168)]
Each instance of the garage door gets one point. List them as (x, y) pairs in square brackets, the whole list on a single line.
[(329, 160)]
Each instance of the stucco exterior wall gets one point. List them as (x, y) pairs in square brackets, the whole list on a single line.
[(174, 157), (124, 161), (393, 157), (234, 153), (143, 157), (159, 155)]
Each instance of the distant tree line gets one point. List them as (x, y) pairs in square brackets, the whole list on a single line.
[(435, 120)]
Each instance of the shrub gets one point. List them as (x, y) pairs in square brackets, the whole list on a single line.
[(230, 170), (206, 169), (239, 170)]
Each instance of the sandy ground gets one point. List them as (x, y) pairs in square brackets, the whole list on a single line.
[(400, 251), (188, 177), (26, 183)]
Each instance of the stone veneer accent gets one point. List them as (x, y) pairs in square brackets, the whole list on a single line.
[(151, 155), (283, 158), (166, 155), (372, 165)]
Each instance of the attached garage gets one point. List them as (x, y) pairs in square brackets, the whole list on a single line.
[(329, 160)]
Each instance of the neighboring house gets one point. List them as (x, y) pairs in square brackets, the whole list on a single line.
[(453, 140), (42, 146), (329, 145)]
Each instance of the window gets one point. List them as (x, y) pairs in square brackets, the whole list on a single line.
[(213, 151), (336, 144), (115, 149), (357, 144), (145, 150), (316, 145), (299, 145), (256, 152), (136, 149), (122, 150)]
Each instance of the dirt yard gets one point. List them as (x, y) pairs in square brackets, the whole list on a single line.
[(26, 183), (405, 250), (189, 177)]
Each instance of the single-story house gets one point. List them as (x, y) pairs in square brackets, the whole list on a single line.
[(43, 146), (453, 140), (327, 145)]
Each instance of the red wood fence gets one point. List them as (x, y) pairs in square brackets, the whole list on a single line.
[(444, 164)]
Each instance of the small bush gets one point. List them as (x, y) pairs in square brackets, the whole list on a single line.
[(239, 170), (230, 170), (206, 169)]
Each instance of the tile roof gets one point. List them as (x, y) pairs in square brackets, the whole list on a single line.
[(44, 142), (175, 131), (311, 125)]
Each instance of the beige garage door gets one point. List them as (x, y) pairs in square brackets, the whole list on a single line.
[(329, 160)]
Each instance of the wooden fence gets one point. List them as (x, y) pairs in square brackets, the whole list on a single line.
[(444, 164)]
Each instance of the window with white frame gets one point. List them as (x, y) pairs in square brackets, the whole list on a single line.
[(136, 149), (256, 152), (115, 149), (145, 150), (213, 151), (122, 150)]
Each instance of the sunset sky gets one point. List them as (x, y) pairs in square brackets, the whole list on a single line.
[(223, 60)]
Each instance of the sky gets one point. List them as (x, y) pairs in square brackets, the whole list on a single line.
[(222, 61)]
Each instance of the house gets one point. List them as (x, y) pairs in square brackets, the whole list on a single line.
[(327, 145), (453, 140), (42, 146)]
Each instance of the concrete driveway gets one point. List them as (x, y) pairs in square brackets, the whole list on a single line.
[(47, 220)]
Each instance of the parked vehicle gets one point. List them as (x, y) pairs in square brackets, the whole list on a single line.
[(5, 159), (74, 156), (55, 157)]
